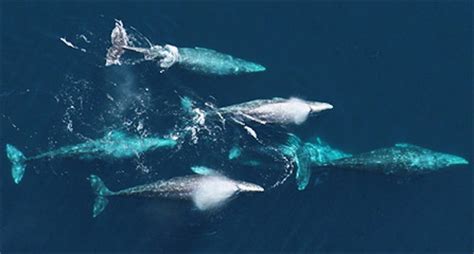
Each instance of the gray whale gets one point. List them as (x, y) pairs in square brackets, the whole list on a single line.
[(206, 191)]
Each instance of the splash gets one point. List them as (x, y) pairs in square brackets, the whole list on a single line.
[(198, 121), (75, 98), (121, 103), (69, 44)]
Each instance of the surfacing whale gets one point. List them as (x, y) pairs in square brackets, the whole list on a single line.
[(206, 191), (200, 60), (115, 144), (275, 111), (400, 159)]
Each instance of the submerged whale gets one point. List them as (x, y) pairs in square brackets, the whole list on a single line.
[(114, 144), (206, 191), (302, 156), (275, 111), (306, 155), (200, 60), (400, 159)]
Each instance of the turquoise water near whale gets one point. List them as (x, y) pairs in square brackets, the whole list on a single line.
[(395, 72)]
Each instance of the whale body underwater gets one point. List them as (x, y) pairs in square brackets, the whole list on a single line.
[(400, 159), (115, 144)]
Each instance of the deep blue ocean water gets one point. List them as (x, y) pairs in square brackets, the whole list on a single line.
[(395, 72)]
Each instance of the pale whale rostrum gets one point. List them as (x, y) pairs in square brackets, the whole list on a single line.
[(115, 144), (206, 191), (276, 110), (200, 60), (400, 159)]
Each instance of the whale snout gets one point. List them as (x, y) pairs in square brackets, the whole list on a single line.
[(319, 106), (249, 187), (457, 160), (259, 68), (445, 160)]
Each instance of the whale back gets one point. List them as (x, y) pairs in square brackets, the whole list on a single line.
[(401, 159)]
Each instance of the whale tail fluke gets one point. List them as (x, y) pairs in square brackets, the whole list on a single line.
[(18, 161), (102, 192), (303, 171), (119, 40)]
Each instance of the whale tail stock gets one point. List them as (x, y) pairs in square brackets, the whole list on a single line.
[(101, 191), (18, 161)]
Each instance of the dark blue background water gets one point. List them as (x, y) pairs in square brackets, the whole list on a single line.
[(395, 72)]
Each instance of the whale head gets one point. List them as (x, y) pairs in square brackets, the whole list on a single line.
[(447, 160), (426, 159)]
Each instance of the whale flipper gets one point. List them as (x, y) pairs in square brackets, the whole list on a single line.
[(407, 145), (205, 171), (101, 191), (18, 160), (303, 168), (234, 153), (100, 202)]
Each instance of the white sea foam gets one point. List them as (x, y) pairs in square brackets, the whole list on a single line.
[(69, 44), (251, 132)]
